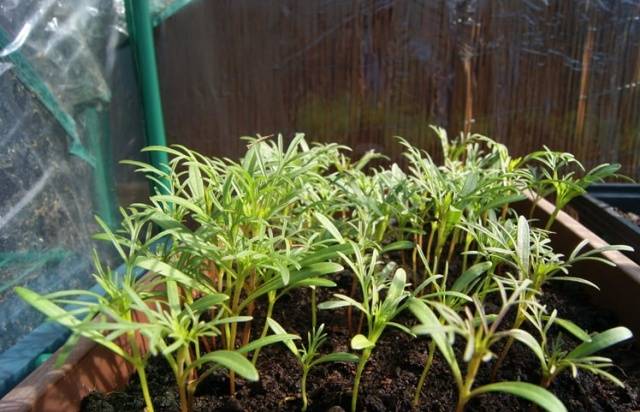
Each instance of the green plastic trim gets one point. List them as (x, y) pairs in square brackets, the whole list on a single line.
[(139, 21), (29, 77), (169, 11), (96, 126)]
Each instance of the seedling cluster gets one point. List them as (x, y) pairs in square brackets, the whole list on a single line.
[(220, 239)]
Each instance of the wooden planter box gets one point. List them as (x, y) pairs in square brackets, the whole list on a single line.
[(93, 368)]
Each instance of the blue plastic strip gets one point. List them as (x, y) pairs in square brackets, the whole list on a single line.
[(22, 358)]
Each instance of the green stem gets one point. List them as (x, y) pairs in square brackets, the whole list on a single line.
[(430, 243), (182, 391), (314, 308), (534, 204), (465, 392), (356, 383), (467, 244), (265, 328), (552, 218), (423, 377), (548, 378), (231, 344), (454, 243), (505, 350), (414, 254), (303, 389), (142, 375), (139, 366), (237, 291)]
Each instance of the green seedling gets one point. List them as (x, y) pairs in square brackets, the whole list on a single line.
[(379, 310), (528, 252), (308, 356), (557, 176), (480, 332), (555, 358)]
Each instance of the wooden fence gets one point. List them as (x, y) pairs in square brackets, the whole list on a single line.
[(561, 73)]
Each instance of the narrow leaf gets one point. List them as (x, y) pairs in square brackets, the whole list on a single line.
[(601, 341), (461, 284), (336, 357), (267, 340), (529, 391), (330, 227), (523, 243), (231, 360), (397, 245), (279, 330)]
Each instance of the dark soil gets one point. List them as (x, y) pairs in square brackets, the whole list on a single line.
[(390, 378), (630, 216)]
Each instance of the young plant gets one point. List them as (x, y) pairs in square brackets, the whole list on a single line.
[(555, 358), (108, 319), (527, 251), (558, 176), (379, 309), (242, 228), (308, 356), (480, 333), (176, 331), (99, 323), (454, 297)]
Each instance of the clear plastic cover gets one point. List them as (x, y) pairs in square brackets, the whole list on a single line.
[(69, 106)]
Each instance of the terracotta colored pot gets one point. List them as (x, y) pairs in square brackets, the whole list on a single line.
[(93, 368)]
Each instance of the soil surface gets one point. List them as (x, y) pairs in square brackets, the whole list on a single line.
[(389, 380), (630, 216)]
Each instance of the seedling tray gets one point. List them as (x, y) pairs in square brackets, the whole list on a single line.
[(594, 210)]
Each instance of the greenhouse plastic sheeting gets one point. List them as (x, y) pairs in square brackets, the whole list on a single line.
[(69, 110), (565, 73)]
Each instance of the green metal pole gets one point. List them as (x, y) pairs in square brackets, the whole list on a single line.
[(141, 36)]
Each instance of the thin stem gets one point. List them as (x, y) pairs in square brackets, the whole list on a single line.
[(430, 243), (423, 377), (534, 204), (303, 389), (465, 392), (181, 378), (467, 244), (547, 378), (552, 218), (139, 366), (503, 354), (142, 375), (265, 328), (234, 330), (350, 308), (414, 255), (182, 391), (453, 244), (246, 332), (505, 210), (314, 308), (356, 383)]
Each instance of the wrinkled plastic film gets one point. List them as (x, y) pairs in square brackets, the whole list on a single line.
[(69, 112)]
